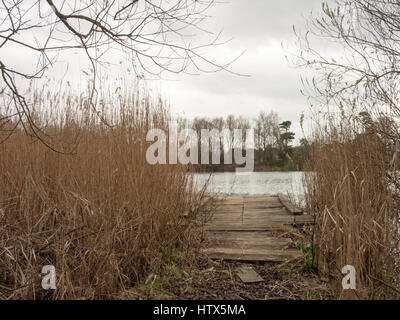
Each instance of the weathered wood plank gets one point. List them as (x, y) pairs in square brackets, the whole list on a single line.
[(290, 206), (252, 254), (250, 240), (240, 229), (256, 225), (262, 213), (259, 198), (249, 275), (277, 205), (268, 227)]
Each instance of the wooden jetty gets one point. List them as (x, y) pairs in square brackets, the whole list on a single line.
[(244, 228)]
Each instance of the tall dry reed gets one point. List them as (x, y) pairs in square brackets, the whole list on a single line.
[(100, 213), (348, 191)]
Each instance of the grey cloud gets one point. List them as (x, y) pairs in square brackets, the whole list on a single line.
[(259, 27), (263, 20)]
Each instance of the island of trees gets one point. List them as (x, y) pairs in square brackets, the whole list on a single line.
[(275, 146)]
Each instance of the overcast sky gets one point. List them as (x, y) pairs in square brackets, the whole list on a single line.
[(259, 27)]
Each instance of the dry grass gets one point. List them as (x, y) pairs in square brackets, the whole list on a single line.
[(102, 216), (348, 191)]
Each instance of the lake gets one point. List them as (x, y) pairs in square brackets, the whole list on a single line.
[(257, 183)]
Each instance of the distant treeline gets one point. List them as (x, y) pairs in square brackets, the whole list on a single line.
[(274, 148)]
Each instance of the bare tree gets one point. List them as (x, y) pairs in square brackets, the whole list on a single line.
[(267, 133), (361, 69), (155, 35), (353, 48)]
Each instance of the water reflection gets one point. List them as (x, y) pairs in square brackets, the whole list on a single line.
[(257, 183)]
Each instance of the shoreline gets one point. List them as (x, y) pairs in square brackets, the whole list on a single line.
[(231, 168)]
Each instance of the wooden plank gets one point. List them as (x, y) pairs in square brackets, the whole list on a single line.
[(277, 205), (232, 201), (290, 206), (265, 211), (256, 212), (265, 199), (258, 216), (242, 235), (248, 275), (268, 227), (273, 226), (252, 255), (240, 229), (247, 240)]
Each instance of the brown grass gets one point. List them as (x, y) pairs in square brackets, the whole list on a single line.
[(102, 215), (348, 191)]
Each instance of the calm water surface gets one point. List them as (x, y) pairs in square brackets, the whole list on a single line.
[(257, 183)]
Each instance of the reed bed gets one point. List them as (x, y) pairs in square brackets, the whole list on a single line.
[(349, 192), (92, 207)]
